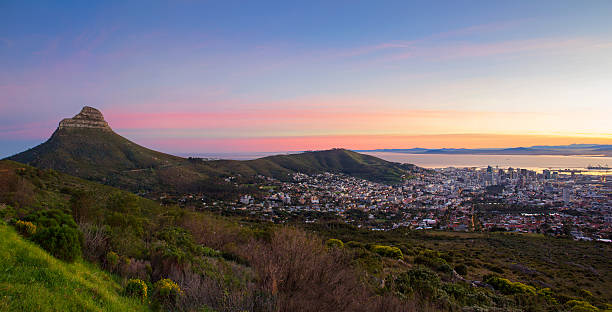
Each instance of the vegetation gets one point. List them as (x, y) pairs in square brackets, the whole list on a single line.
[(136, 288), (496, 270), (33, 280), (191, 260), (388, 251)]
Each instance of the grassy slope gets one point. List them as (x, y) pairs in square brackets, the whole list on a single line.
[(33, 280)]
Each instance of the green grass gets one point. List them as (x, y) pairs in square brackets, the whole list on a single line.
[(33, 280)]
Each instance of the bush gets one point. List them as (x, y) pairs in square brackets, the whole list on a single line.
[(419, 280), (25, 228), (112, 260), (334, 243), (456, 291), (209, 252), (63, 242), (354, 244), (136, 288), (580, 306), (433, 261), (167, 292), (51, 218), (177, 244), (586, 294), (507, 287), (388, 251), (461, 269)]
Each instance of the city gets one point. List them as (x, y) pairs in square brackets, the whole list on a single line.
[(458, 199)]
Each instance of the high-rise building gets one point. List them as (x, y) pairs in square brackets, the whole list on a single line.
[(566, 195)]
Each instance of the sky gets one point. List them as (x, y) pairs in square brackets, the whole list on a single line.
[(257, 76)]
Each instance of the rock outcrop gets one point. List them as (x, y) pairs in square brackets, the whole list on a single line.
[(89, 117)]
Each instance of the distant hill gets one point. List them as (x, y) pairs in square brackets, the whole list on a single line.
[(572, 149), (86, 146), (335, 161)]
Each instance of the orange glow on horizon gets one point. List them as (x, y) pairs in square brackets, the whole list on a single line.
[(363, 142)]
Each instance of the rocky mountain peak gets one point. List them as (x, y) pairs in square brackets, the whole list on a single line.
[(89, 117)]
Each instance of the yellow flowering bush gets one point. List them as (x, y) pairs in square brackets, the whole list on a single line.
[(112, 260), (167, 291), (136, 288), (26, 228), (334, 243)]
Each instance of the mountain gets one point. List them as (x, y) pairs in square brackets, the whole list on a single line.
[(335, 161), (87, 147)]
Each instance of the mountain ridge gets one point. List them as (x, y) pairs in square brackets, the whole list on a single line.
[(87, 147)]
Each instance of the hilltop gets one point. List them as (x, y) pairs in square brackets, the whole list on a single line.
[(334, 160), (87, 147)]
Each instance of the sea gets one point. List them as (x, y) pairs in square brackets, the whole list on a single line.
[(531, 162)]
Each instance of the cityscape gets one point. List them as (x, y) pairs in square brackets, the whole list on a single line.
[(551, 202)]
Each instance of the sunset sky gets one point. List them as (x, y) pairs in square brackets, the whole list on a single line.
[(253, 76)]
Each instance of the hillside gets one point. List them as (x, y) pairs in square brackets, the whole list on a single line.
[(33, 280), (219, 263), (85, 146), (335, 161), (230, 264)]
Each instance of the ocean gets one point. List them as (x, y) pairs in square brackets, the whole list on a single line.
[(532, 162)]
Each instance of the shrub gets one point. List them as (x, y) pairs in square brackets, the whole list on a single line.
[(167, 291), (419, 280), (388, 251), (585, 294), (63, 242), (507, 287), (461, 269), (51, 218), (456, 291), (96, 241), (25, 228), (209, 252), (112, 260), (580, 306), (334, 243), (177, 244), (370, 262), (433, 261), (548, 295), (136, 288), (354, 244)]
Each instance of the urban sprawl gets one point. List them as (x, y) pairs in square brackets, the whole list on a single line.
[(558, 203)]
